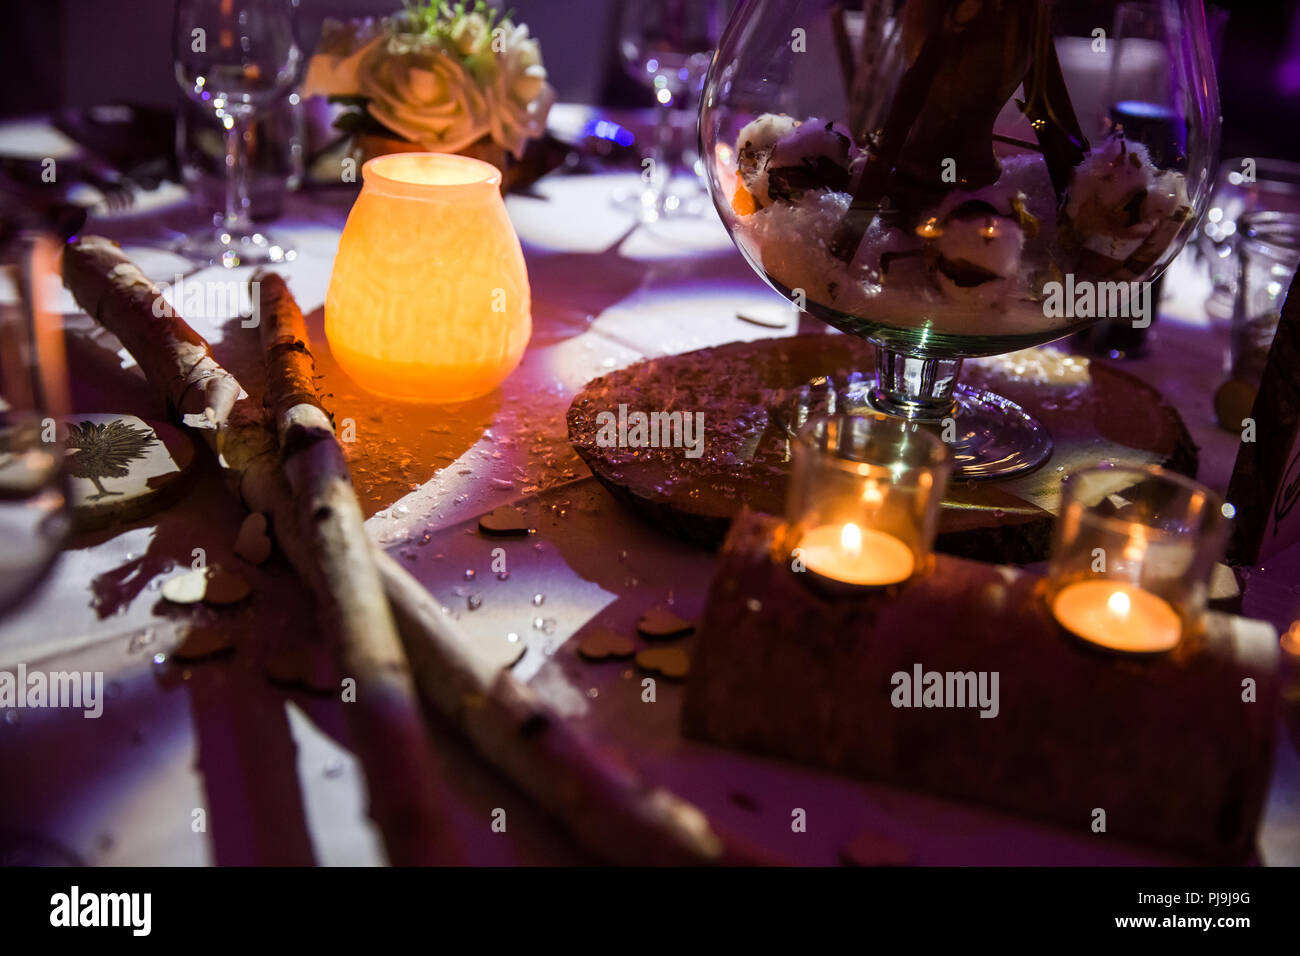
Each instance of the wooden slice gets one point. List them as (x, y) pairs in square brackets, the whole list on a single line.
[(122, 468), (1093, 411)]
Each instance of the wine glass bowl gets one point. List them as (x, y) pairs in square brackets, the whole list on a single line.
[(236, 57), (976, 178), (667, 46)]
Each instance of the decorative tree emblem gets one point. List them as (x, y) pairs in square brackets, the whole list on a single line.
[(105, 451)]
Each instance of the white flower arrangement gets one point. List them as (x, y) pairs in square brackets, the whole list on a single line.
[(442, 75)]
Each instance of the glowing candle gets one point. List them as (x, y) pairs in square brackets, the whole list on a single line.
[(429, 298), (859, 556), (1118, 616)]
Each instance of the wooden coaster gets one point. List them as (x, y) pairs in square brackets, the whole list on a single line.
[(122, 468), (745, 453)]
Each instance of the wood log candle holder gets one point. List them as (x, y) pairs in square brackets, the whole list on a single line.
[(1173, 748)]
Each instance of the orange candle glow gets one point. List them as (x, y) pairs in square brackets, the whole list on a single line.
[(429, 298), (1118, 616), (859, 556)]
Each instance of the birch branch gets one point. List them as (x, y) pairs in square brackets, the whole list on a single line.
[(606, 805), (392, 739)]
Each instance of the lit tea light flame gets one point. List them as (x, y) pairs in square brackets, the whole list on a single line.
[(851, 539), (1291, 640), (929, 229), (1119, 604)]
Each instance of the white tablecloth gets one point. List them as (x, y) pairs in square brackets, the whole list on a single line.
[(270, 769)]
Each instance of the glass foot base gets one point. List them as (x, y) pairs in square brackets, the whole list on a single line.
[(670, 205), (231, 249), (990, 436)]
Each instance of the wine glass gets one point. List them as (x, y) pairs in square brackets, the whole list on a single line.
[(947, 191), (667, 46), (34, 518), (236, 57)]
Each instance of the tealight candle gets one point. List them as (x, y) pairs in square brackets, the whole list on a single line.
[(1118, 616), (860, 556), (1133, 554), (864, 500)]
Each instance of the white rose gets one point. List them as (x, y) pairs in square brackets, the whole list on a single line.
[(422, 92), (518, 95), (332, 71), (471, 34)]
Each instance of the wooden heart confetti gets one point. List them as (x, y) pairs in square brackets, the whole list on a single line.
[(774, 320), (503, 521), (869, 848), (603, 644), (201, 643), (294, 665), (668, 662), (212, 585), (661, 624), (252, 543)]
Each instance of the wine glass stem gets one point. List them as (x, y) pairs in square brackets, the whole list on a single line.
[(661, 157), (237, 218), (917, 389)]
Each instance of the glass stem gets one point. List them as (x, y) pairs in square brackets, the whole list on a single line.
[(660, 156), (917, 389), (237, 218)]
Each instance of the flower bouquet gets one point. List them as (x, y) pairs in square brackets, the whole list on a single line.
[(436, 76)]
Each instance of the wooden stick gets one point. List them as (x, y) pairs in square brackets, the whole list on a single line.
[(874, 45), (500, 715), (607, 807), (179, 365), (843, 50), (604, 804), (395, 753), (184, 373)]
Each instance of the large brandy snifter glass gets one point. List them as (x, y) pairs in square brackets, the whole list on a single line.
[(948, 178)]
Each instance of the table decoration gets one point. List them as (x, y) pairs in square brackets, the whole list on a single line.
[(429, 297), (864, 500), (435, 77), (941, 205), (963, 685), (607, 806), (206, 398), (1096, 412), (1134, 552)]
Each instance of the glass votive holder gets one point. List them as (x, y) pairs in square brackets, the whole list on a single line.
[(864, 500), (1132, 557)]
